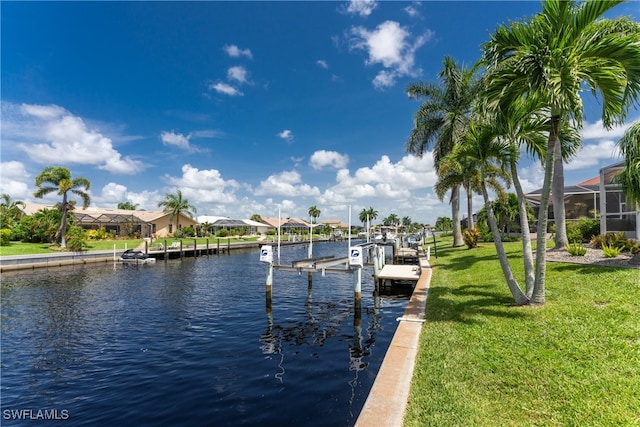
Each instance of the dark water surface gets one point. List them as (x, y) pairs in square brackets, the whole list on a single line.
[(191, 343)]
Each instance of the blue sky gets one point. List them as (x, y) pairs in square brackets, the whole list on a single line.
[(246, 107)]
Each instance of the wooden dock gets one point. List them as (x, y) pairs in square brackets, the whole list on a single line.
[(391, 273)]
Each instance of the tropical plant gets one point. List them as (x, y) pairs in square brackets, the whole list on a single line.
[(392, 219), (471, 237), (491, 153), (551, 56), (314, 213), (58, 178), (443, 223), (175, 205), (77, 239), (576, 249), (10, 211), (128, 206), (368, 215), (629, 177), (256, 218), (41, 227), (442, 121), (610, 251), (5, 237)]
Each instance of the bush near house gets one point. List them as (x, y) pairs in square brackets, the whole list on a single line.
[(583, 230), (5, 237)]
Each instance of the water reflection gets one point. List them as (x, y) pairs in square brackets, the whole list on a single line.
[(187, 342)]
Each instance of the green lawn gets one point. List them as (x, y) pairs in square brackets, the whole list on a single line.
[(19, 248), (484, 362)]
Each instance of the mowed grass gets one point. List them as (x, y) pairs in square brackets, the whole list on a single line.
[(483, 362), (20, 248)]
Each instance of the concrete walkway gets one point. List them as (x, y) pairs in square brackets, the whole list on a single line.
[(390, 392)]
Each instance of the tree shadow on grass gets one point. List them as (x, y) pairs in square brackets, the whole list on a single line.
[(469, 304)]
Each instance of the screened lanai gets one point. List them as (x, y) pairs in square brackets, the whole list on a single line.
[(617, 213)]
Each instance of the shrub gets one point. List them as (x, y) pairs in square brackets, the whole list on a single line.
[(5, 237), (635, 249), (188, 231), (471, 237), (99, 234), (610, 251), (583, 229), (76, 239), (222, 233), (576, 249)]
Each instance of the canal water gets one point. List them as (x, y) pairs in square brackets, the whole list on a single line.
[(191, 342)]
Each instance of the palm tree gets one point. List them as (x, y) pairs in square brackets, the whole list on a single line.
[(465, 172), (392, 219), (256, 218), (442, 120), (175, 205), (58, 178), (10, 211), (480, 144), (128, 206), (523, 123), (314, 213), (552, 55), (629, 177)]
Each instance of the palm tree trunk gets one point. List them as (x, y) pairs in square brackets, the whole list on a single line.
[(469, 208), (527, 251), (538, 296), (519, 297), (455, 216), (558, 198), (63, 223)]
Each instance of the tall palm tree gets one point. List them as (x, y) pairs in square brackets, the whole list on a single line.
[(10, 210), (629, 177), (175, 205), (490, 153), (442, 120), (553, 55), (523, 124), (314, 213), (58, 178), (465, 171)]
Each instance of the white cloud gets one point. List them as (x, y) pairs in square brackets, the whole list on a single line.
[(391, 46), (50, 134), (412, 9), (361, 7), (323, 158), (225, 89), (287, 135), (176, 139), (238, 74), (13, 176), (590, 155), (322, 63), (235, 52), (204, 186), (288, 183), (384, 180), (597, 131)]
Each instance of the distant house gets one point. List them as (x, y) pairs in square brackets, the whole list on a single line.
[(336, 224), (223, 223), (599, 197), (119, 221), (288, 225)]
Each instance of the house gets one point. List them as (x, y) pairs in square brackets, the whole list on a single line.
[(599, 197), (616, 212), (288, 225), (121, 221), (219, 223)]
